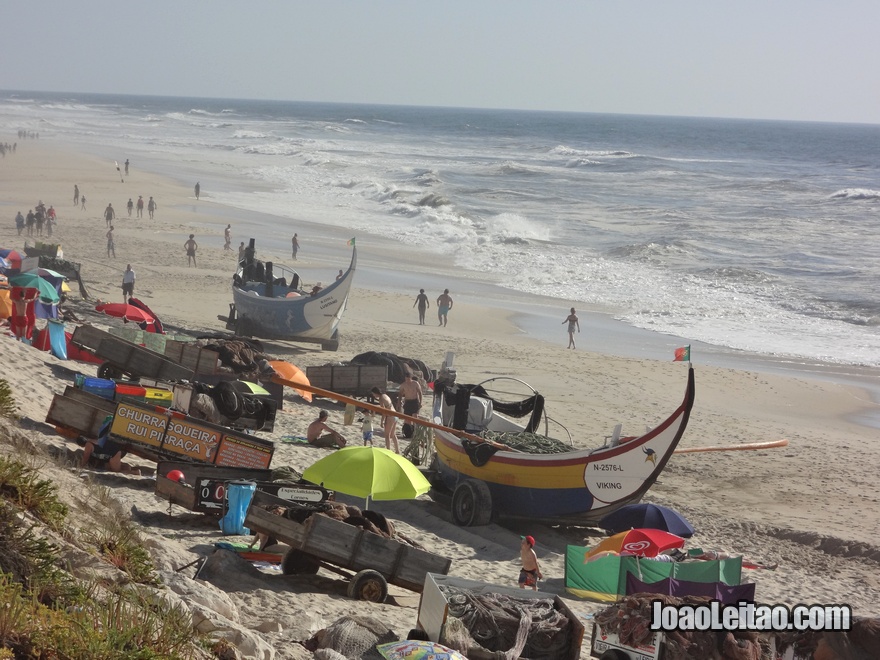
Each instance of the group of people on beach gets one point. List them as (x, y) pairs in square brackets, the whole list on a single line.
[(444, 304), (409, 401), (36, 220)]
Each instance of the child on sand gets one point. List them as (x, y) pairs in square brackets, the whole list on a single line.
[(367, 427), (531, 572)]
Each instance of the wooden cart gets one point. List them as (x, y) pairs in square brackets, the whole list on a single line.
[(123, 357), (327, 543)]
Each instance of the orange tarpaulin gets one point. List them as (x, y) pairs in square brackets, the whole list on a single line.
[(292, 374)]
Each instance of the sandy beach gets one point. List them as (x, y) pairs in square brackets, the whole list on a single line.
[(811, 507)]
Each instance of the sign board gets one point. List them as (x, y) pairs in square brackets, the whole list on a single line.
[(243, 452), (211, 493), (189, 438), (139, 424), (174, 433)]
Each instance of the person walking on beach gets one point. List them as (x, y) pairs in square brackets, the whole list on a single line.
[(126, 167), (389, 422), (330, 437), (130, 206), (111, 246), (75, 194), (127, 283), (19, 222), (197, 190), (422, 302), (294, 246), (109, 214), (140, 207), (191, 246), (573, 325), (31, 222), (241, 252), (151, 207), (227, 235), (444, 304), (83, 200), (530, 572)]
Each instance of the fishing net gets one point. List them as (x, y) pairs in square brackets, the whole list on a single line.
[(492, 625), (531, 443), (631, 617)]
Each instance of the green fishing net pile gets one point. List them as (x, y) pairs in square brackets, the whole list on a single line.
[(530, 443)]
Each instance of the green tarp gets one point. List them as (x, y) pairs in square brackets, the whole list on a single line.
[(604, 579)]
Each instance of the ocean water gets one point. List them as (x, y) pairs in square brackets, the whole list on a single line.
[(752, 236)]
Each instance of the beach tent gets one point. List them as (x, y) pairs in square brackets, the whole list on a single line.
[(604, 579)]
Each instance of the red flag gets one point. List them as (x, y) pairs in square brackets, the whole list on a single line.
[(683, 354)]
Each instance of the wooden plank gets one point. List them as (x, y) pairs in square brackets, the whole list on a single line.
[(576, 632), (415, 564), (75, 415), (87, 336)]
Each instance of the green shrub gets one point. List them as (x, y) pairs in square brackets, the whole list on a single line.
[(8, 408), (22, 485)]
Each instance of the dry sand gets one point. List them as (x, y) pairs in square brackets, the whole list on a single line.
[(812, 507)]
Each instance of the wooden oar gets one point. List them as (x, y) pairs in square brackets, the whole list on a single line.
[(341, 398), (750, 446)]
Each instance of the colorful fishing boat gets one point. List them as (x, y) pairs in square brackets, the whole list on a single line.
[(578, 486), (269, 302)]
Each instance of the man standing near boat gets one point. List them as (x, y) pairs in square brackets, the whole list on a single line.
[(411, 394), (444, 304), (294, 246)]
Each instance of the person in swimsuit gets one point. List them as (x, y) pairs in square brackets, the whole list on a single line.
[(389, 422), (330, 438), (573, 325), (444, 304), (422, 302), (530, 572)]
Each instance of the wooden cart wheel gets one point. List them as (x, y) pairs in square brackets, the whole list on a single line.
[(368, 585), (471, 504), (296, 562)]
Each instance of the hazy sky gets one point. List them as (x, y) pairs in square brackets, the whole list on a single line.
[(798, 59)]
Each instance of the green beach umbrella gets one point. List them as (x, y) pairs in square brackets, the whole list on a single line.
[(48, 294), (369, 472)]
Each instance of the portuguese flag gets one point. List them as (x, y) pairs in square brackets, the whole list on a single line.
[(683, 354), (351, 242)]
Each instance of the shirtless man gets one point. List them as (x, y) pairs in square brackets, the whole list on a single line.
[(109, 214), (330, 438), (389, 422), (531, 572), (227, 236), (411, 394), (444, 304)]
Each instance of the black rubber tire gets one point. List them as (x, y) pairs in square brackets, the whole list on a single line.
[(471, 504), (613, 654), (229, 402), (368, 585), (298, 563), (109, 371)]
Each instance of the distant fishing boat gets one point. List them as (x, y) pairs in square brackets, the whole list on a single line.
[(268, 302), (487, 479)]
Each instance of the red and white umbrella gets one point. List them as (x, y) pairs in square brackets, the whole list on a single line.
[(125, 311)]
